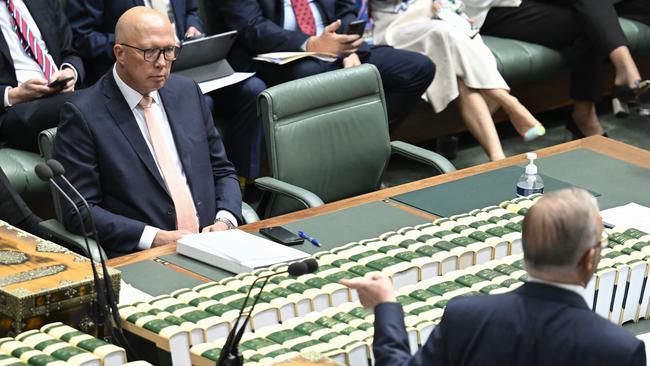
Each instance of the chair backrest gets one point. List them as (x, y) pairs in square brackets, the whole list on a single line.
[(326, 133), (46, 146)]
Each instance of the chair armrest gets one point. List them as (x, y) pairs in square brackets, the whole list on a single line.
[(307, 198), (74, 241), (423, 156), (249, 215)]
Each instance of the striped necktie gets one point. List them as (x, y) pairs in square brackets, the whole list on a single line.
[(304, 16), (30, 42)]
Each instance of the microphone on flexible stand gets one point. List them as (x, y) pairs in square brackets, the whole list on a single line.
[(111, 303), (45, 173), (230, 355)]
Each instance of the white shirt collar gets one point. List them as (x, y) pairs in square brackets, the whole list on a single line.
[(132, 96), (566, 286)]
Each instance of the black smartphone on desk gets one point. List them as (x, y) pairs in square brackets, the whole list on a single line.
[(357, 27), (281, 235)]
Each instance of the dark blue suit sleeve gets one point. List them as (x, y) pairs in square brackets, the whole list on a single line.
[(86, 18), (226, 182), (192, 16), (256, 32), (638, 357), (75, 148), (391, 346)]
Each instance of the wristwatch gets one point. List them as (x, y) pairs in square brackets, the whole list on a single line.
[(228, 223)]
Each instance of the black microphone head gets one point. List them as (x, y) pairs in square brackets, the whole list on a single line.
[(312, 265), (56, 167), (297, 269), (43, 171)]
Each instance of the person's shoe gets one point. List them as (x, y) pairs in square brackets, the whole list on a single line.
[(534, 133), (626, 94), (573, 131)]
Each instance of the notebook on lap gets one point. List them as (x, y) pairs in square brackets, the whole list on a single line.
[(204, 59)]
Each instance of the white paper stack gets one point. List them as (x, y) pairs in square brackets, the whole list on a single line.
[(236, 251)]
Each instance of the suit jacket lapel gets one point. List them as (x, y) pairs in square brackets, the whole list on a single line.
[(176, 117), (125, 120)]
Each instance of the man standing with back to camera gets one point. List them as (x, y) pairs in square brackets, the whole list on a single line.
[(544, 322), (141, 147)]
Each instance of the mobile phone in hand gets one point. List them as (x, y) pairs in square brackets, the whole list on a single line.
[(59, 83), (281, 235), (357, 27)]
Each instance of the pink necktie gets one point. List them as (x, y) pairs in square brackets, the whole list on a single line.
[(304, 16), (30, 42), (186, 218)]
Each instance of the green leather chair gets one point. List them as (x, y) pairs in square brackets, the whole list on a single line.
[(327, 139), (76, 242)]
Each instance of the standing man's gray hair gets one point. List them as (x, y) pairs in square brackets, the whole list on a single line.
[(558, 229)]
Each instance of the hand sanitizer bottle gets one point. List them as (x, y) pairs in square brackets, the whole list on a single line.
[(530, 182)]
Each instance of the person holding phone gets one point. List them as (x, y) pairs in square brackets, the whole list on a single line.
[(39, 69), (467, 70), (320, 26)]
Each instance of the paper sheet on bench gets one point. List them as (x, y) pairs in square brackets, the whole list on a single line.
[(210, 85), (130, 294), (236, 251), (630, 215)]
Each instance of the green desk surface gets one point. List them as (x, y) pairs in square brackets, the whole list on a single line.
[(613, 181), (154, 278), (477, 191), (332, 230)]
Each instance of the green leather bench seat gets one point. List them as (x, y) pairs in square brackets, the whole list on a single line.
[(19, 167), (522, 62)]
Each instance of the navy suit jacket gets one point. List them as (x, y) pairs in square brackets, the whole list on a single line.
[(259, 23), (56, 33), (534, 325), (93, 23), (106, 157)]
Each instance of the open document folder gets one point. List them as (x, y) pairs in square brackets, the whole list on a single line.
[(236, 251)]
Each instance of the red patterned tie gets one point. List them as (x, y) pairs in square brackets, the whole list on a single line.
[(30, 42), (304, 16)]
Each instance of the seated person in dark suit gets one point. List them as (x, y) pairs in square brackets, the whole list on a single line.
[(36, 49), (544, 322), (93, 24), (307, 25), (141, 146)]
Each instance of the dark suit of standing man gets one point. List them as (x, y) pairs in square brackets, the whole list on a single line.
[(29, 105), (107, 144), (545, 322), (272, 26), (93, 23)]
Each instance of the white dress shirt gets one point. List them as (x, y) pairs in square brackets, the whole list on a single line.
[(133, 99), (24, 64)]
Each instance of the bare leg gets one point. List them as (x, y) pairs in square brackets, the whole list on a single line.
[(584, 114), (477, 118), (626, 70), (520, 117)]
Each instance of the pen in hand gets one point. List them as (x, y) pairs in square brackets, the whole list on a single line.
[(305, 236)]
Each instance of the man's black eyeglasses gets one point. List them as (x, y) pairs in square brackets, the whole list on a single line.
[(152, 54)]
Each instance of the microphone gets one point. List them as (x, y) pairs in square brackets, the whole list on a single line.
[(46, 174), (110, 306), (230, 355)]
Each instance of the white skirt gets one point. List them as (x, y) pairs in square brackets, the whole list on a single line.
[(455, 54)]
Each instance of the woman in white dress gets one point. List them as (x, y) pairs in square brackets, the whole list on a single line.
[(465, 67)]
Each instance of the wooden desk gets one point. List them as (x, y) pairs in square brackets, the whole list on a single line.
[(612, 148)]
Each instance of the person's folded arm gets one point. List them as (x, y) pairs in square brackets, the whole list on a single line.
[(86, 18)]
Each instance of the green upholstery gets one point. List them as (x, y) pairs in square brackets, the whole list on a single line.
[(522, 62), (328, 135), (18, 166)]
